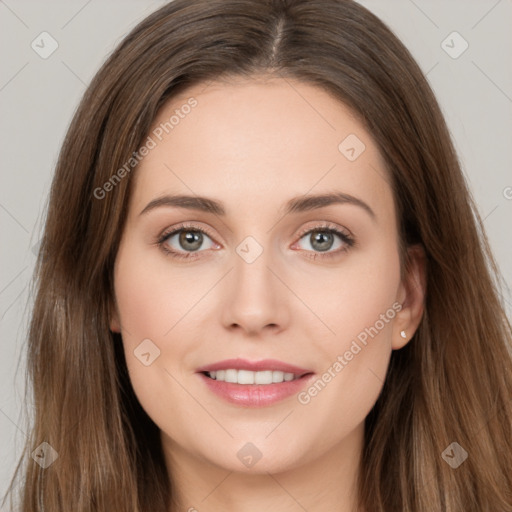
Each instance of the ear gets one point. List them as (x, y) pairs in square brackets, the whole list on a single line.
[(411, 295)]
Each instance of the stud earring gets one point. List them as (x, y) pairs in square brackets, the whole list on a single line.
[(402, 333)]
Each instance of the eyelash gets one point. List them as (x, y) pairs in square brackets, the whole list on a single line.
[(346, 238)]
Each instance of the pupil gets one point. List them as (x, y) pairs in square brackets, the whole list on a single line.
[(195, 238), (321, 240)]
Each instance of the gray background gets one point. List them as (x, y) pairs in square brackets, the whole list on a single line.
[(38, 97)]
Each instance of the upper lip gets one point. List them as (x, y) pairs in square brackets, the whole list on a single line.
[(254, 366)]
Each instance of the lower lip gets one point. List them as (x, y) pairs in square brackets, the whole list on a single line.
[(255, 395)]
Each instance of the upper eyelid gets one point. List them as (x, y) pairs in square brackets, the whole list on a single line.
[(327, 226), (183, 227)]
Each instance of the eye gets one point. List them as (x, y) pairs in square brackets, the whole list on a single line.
[(326, 241), (184, 240)]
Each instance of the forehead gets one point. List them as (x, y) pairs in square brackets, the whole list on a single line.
[(254, 143)]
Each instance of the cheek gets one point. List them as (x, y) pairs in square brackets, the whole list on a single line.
[(150, 299), (150, 303), (357, 353), (355, 295)]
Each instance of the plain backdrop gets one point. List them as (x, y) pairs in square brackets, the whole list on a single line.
[(39, 95)]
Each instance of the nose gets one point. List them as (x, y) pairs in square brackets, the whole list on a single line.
[(255, 299)]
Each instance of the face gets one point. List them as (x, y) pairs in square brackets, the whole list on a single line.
[(259, 270)]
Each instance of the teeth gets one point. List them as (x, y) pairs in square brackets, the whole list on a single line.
[(231, 376), (245, 377), (279, 376), (248, 377)]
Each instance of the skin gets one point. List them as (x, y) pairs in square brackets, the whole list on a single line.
[(253, 145)]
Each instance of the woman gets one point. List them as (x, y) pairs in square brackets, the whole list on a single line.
[(331, 339)]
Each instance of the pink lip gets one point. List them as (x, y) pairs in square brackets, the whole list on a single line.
[(255, 395), (254, 366)]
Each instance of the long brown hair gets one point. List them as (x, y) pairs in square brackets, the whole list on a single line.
[(451, 383)]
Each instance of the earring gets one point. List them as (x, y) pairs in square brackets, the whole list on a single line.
[(402, 333)]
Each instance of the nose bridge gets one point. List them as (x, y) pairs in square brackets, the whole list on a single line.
[(254, 299), (252, 268)]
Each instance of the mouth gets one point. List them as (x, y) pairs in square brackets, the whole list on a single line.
[(254, 384)]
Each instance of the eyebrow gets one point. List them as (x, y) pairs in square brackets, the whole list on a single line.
[(294, 205)]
